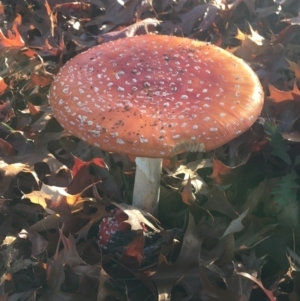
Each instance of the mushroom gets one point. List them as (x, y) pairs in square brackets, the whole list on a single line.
[(110, 225), (153, 97)]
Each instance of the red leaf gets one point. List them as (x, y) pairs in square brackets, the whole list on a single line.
[(82, 176), (13, 40), (3, 85), (219, 171), (32, 109), (39, 80), (7, 148), (135, 250), (280, 96)]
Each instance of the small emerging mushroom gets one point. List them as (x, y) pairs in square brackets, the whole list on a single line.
[(110, 225), (153, 97)]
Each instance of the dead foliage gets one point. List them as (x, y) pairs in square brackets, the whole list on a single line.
[(228, 220)]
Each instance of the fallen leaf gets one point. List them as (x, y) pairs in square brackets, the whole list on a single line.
[(13, 39), (117, 14), (208, 291), (185, 270), (251, 238), (217, 201), (279, 146), (39, 244), (52, 194), (82, 178), (9, 171), (295, 68), (3, 85), (137, 218), (145, 26), (220, 171), (199, 19), (39, 80), (258, 282), (279, 96), (91, 218), (236, 225), (7, 148), (187, 194), (134, 251)]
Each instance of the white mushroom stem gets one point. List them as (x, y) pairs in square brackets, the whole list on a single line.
[(146, 184)]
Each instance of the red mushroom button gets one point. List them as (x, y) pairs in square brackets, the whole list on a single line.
[(110, 225), (155, 96)]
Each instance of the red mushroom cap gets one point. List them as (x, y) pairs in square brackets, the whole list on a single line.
[(111, 224), (156, 96)]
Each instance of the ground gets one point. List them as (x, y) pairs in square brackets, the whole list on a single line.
[(228, 222)]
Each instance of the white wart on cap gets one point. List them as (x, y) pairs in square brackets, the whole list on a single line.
[(156, 96)]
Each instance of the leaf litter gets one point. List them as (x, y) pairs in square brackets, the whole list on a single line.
[(228, 222)]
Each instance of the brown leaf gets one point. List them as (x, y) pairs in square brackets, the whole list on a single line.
[(185, 270), (7, 148), (217, 201), (33, 109), (142, 27), (92, 218), (70, 253), (209, 291), (292, 21), (6, 110), (249, 3), (251, 237), (4, 297), (187, 194), (39, 243), (294, 68), (9, 171), (134, 251), (286, 34), (49, 222), (38, 80), (198, 19), (117, 14), (258, 282), (295, 295)]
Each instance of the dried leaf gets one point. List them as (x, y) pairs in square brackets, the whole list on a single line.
[(52, 194), (117, 14), (278, 95), (295, 68), (9, 171), (3, 85), (280, 147), (236, 225), (39, 80), (220, 171), (136, 218), (185, 270), (134, 250), (187, 194), (258, 282), (7, 148), (13, 39)]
